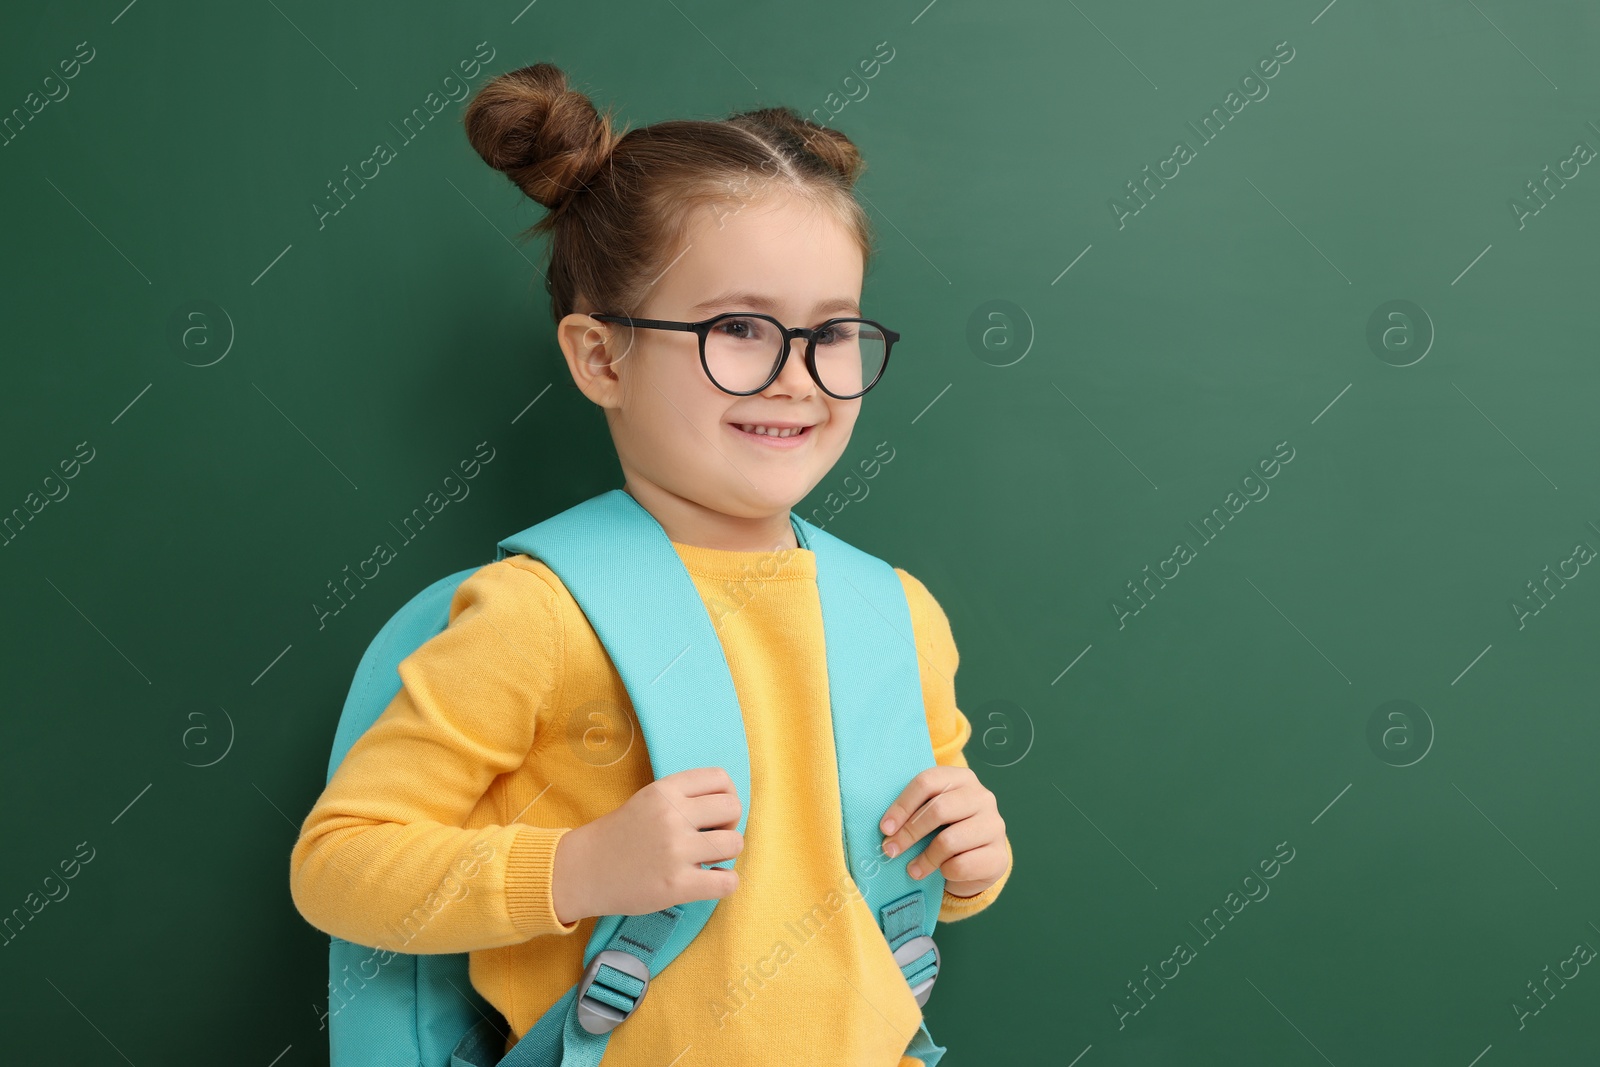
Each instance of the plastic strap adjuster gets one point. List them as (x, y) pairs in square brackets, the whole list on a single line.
[(599, 1016), (911, 952)]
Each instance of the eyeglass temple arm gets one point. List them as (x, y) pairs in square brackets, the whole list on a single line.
[(654, 324)]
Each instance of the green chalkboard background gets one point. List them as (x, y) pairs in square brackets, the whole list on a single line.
[(1350, 322)]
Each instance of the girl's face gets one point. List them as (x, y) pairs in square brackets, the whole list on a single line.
[(677, 435)]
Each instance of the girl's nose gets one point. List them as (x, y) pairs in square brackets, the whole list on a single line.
[(794, 379)]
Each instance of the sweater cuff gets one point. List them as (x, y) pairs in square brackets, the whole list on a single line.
[(530, 871)]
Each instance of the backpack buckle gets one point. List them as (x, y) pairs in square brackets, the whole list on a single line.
[(911, 951), (601, 1010)]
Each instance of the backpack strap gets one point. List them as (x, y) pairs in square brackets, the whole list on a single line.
[(600, 549), (881, 741)]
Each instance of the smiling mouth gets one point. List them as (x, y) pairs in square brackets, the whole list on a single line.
[(779, 432), (774, 437)]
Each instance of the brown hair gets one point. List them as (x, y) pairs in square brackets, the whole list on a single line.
[(620, 203)]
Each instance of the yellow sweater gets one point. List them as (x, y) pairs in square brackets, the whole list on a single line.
[(438, 831)]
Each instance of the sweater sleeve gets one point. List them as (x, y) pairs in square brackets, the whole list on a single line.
[(947, 726), (383, 859)]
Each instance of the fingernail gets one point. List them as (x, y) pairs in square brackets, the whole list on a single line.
[(915, 870), (888, 825), (891, 850)]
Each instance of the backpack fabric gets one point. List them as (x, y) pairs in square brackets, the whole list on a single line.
[(422, 1011)]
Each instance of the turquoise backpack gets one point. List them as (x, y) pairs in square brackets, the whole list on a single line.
[(422, 1011)]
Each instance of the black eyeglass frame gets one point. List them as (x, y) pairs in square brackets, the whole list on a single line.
[(703, 329)]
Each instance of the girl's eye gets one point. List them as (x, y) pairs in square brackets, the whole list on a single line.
[(740, 329), (836, 334)]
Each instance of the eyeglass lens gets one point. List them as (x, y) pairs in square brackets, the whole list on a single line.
[(741, 352)]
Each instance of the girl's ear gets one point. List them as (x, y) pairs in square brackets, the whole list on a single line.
[(593, 350)]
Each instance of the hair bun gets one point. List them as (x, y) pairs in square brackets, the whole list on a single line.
[(546, 137)]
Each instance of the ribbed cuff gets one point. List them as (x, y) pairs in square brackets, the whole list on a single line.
[(530, 871)]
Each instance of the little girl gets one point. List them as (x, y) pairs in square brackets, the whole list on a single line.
[(509, 764)]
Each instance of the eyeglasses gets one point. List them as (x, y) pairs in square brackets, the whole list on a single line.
[(743, 352)]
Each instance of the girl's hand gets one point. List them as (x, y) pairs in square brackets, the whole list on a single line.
[(646, 855), (971, 851)]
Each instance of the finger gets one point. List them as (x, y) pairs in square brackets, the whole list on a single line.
[(714, 846), (957, 837), (918, 790), (698, 781), (714, 883), (958, 801), (984, 863), (953, 841), (712, 811)]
